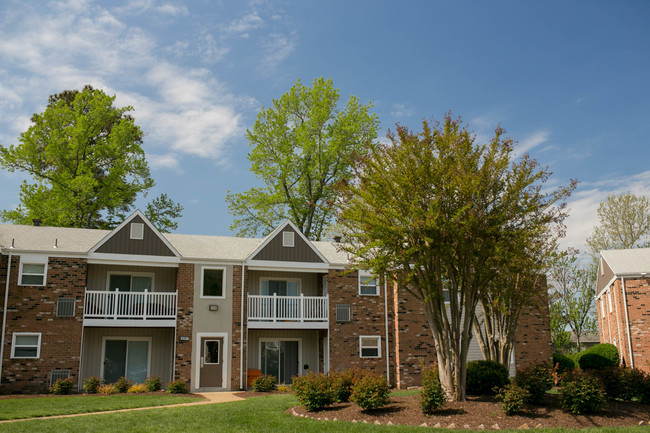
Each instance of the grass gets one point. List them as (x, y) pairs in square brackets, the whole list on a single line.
[(17, 408), (252, 415)]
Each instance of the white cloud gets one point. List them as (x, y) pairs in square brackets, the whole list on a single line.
[(167, 161), (245, 24), (532, 141), (401, 110), (277, 48)]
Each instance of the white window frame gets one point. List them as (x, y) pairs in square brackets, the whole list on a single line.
[(288, 239), (297, 280), (367, 276), (131, 274), (133, 233), (32, 260), (26, 334), (609, 300), (223, 282), (205, 350), (602, 306), (374, 337)]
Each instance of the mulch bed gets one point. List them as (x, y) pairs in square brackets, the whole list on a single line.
[(486, 412)]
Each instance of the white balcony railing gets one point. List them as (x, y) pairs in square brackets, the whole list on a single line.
[(274, 308), (129, 305)]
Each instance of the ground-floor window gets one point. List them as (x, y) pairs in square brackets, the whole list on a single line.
[(280, 358), (370, 346), (26, 345), (128, 357)]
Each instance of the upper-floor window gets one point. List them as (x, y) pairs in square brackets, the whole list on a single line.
[(368, 284), (213, 282), (130, 282), (609, 300), (26, 345), (32, 274), (280, 287)]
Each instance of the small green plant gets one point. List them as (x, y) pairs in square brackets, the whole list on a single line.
[(536, 379), (91, 385), (177, 387), (137, 388), (484, 376), (598, 357), (265, 383), (315, 391), (153, 384), (106, 389), (583, 393), (432, 396), (564, 363), (62, 386), (122, 385), (344, 381), (513, 398), (370, 392)]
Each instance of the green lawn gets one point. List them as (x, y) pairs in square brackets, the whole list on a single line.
[(260, 414), (15, 408)]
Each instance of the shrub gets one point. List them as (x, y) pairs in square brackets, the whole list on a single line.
[(370, 392), (177, 387), (512, 398), (284, 388), (138, 388), (536, 379), (265, 383), (91, 385), (122, 385), (315, 391), (484, 376), (153, 384), (432, 396), (643, 394), (344, 381), (583, 393), (599, 356), (564, 363), (62, 386), (106, 389)]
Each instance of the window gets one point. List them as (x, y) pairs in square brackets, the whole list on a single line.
[(130, 282), (213, 282), (368, 285), (211, 352), (288, 239), (65, 307), (32, 274), (602, 306), (137, 231), (369, 346), (609, 300), (284, 287), (26, 345), (128, 357), (342, 312)]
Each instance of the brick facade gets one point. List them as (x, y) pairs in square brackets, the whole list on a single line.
[(185, 289), (238, 322), (533, 337), (33, 309)]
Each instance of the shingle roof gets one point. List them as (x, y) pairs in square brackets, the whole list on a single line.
[(43, 239), (626, 262)]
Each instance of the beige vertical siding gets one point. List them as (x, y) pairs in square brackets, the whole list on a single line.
[(308, 281), (309, 345), (164, 279), (162, 340)]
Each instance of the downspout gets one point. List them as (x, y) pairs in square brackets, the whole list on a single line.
[(397, 347), (386, 325), (4, 317), (241, 333), (608, 314), (627, 323)]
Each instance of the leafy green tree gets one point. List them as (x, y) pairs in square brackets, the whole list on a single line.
[(437, 212), (162, 212), (87, 164), (624, 223), (301, 147)]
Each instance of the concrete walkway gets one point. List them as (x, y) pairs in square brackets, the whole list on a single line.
[(209, 398)]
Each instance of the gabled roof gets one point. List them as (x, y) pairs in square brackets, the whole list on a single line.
[(634, 261), (43, 239), (271, 248)]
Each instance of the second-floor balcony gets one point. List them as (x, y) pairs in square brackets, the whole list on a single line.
[(273, 311), (115, 308)]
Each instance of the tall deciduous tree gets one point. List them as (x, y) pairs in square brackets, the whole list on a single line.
[(301, 147), (624, 223), (439, 212), (86, 159)]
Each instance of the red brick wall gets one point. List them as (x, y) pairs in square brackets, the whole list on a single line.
[(367, 318), (638, 302), (33, 309), (185, 288), (533, 337), (237, 323)]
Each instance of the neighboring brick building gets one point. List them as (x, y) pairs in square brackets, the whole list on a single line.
[(212, 311), (623, 304)]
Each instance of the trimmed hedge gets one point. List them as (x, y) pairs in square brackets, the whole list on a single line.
[(599, 356), (485, 377), (513, 398), (370, 392), (564, 363), (583, 393), (315, 391), (266, 383)]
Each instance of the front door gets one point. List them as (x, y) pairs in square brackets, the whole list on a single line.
[(280, 359), (211, 373)]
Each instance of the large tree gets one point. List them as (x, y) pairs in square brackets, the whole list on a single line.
[(301, 147), (439, 212), (87, 164), (624, 223)]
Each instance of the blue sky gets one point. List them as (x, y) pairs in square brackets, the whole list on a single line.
[(568, 80)]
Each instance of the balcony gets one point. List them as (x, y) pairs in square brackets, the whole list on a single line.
[(142, 309), (285, 312)]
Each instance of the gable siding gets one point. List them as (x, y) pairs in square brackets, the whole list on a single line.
[(301, 252), (121, 242), (606, 277)]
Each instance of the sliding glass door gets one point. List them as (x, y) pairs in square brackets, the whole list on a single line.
[(280, 358), (126, 357)]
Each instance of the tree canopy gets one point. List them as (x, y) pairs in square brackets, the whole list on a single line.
[(87, 164), (438, 212), (301, 147)]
